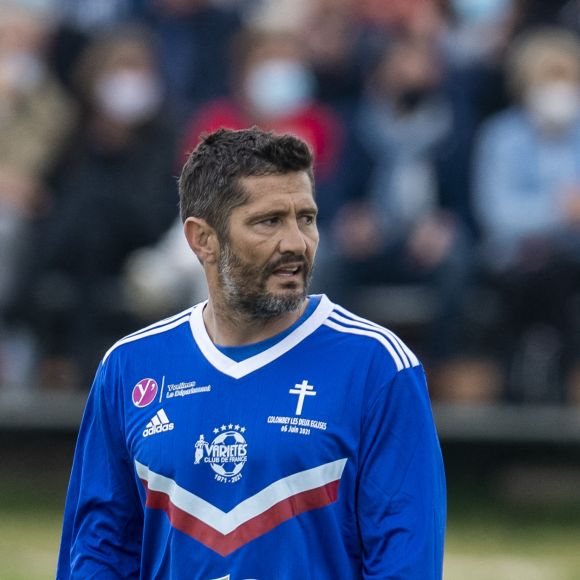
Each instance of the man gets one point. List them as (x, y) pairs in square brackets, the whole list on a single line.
[(265, 433)]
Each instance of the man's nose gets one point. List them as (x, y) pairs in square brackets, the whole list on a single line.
[(292, 239)]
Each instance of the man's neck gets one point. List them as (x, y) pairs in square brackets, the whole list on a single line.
[(228, 328)]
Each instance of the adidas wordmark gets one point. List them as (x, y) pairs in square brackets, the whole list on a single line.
[(158, 424)]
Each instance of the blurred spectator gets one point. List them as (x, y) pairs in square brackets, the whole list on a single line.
[(194, 48), (344, 38), (36, 120), (116, 193), (399, 230), (479, 30), (274, 88), (474, 42), (80, 21), (420, 20), (336, 47), (527, 197)]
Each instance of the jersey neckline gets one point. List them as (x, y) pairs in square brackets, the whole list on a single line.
[(240, 369), (242, 352)]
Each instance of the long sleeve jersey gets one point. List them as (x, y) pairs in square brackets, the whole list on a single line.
[(314, 458)]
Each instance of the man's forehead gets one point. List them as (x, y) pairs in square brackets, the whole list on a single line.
[(265, 188)]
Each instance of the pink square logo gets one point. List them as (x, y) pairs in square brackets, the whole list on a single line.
[(144, 392)]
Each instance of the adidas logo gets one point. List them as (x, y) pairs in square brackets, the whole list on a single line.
[(158, 424)]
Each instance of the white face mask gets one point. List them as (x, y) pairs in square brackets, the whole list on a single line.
[(129, 96), (279, 87), (555, 105)]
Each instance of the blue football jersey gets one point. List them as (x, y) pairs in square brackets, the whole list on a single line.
[(314, 458)]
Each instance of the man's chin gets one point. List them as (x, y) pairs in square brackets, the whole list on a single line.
[(274, 304), (293, 297), (276, 286)]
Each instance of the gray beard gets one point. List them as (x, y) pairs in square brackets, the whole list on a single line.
[(244, 289)]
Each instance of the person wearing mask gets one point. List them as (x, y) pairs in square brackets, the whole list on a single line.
[(115, 194), (527, 200), (37, 119), (275, 89), (479, 31), (398, 226), (194, 46)]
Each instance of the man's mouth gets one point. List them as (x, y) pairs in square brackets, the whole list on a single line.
[(288, 271)]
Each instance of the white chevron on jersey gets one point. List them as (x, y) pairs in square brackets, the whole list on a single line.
[(225, 532), (241, 369)]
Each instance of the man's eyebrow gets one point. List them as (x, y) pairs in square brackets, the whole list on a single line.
[(309, 209), (257, 215), (275, 212)]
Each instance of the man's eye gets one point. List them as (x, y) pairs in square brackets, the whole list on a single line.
[(270, 221), (308, 219)]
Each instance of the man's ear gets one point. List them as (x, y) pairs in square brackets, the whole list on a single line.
[(202, 239)]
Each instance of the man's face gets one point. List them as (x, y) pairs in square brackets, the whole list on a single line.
[(267, 256)]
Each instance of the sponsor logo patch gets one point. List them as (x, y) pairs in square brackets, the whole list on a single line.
[(144, 392)]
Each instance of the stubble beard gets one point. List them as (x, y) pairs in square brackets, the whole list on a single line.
[(244, 286)]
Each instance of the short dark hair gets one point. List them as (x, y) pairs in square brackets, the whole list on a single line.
[(209, 185)]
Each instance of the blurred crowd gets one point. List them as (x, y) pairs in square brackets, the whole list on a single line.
[(447, 143)]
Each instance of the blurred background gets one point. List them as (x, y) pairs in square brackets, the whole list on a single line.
[(447, 144)]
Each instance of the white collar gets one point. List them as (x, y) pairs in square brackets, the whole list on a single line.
[(240, 369)]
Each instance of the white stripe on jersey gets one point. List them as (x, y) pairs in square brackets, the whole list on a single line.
[(162, 322), (152, 332), (410, 355), (365, 326), (373, 334)]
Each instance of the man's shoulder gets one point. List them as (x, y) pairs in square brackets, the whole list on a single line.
[(152, 333), (356, 332)]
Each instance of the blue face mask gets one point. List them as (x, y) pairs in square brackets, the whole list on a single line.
[(279, 87), (480, 11)]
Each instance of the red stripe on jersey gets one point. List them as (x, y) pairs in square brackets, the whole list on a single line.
[(259, 525)]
